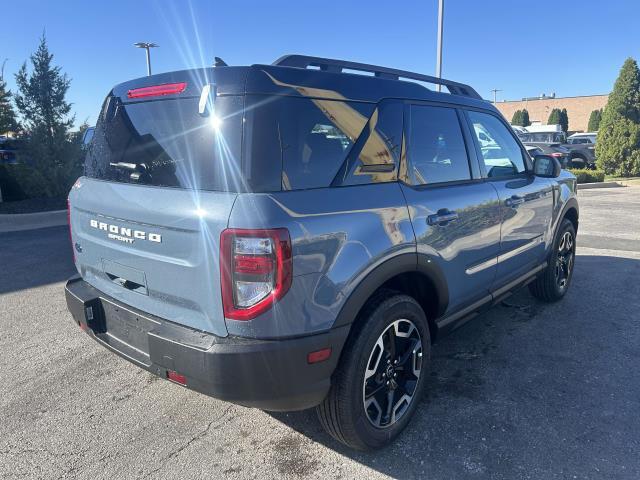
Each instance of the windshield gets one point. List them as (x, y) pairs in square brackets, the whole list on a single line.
[(543, 137), (167, 143)]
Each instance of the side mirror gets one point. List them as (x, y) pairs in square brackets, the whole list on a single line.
[(87, 137), (546, 166)]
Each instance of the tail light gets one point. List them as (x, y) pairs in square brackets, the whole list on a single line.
[(255, 270), (557, 154), (73, 250), (157, 90)]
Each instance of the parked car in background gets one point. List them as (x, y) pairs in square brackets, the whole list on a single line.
[(532, 150), (87, 137), (583, 150), (550, 143), (518, 129), (8, 152), (582, 138)]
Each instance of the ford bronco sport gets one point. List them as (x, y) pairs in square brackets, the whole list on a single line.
[(298, 235)]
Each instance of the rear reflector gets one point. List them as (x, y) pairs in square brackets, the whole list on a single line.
[(319, 355), (176, 377), (157, 90)]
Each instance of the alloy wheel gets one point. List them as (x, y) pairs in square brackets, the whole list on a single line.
[(392, 373), (564, 260)]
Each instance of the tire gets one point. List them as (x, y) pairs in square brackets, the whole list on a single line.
[(554, 281), (365, 371), (578, 162)]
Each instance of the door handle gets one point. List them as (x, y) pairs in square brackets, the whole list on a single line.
[(514, 201), (443, 217)]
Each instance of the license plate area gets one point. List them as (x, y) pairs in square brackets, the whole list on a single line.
[(127, 326)]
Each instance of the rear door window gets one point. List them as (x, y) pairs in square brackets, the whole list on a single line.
[(307, 140), (436, 151)]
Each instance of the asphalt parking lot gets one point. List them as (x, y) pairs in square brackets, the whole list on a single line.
[(526, 390)]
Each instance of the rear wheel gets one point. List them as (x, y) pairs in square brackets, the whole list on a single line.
[(380, 378), (554, 281), (578, 162)]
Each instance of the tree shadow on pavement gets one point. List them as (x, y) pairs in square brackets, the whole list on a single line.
[(32, 258), (527, 390)]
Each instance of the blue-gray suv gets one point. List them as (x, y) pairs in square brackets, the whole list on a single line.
[(297, 235)]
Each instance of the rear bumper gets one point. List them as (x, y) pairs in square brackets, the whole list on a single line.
[(266, 374)]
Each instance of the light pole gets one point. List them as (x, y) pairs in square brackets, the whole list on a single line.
[(147, 46), (439, 54), (495, 90)]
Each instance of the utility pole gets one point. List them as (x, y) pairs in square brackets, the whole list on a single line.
[(147, 46), (440, 31), (495, 90)]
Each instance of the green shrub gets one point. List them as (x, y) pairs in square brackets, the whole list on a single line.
[(10, 188), (587, 176), (20, 182)]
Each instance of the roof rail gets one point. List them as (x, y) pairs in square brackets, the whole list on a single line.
[(336, 66)]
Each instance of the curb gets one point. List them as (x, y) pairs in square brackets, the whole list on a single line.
[(587, 186), (10, 222)]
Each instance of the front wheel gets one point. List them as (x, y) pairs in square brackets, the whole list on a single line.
[(380, 378), (554, 282)]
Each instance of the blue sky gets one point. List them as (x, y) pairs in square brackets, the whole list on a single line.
[(570, 47)]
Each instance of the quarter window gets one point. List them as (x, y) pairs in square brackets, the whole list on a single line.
[(501, 155), (436, 152)]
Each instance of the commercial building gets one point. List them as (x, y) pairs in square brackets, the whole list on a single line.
[(578, 108)]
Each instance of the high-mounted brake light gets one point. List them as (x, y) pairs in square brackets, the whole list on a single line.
[(255, 270), (157, 90)]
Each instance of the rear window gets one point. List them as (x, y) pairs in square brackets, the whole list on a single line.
[(305, 141), (167, 143)]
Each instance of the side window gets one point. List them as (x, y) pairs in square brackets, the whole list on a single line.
[(502, 156), (305, 139), (375, 156), (436, 151)]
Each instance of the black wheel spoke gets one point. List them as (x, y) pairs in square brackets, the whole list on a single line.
[(375, 391)]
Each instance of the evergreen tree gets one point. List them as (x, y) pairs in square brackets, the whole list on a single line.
[(8, 122), (521, 118), (594, 120), (554, 117), (517, 118), (564, 120), (47, 119), (618, 146)]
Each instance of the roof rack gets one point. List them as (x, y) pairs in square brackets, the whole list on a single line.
[(336, 66)]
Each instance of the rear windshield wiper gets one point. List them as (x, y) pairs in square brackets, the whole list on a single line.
[(139, 171)]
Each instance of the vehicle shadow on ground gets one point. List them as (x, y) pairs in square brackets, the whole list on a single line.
[(527, 389), (32, 258)]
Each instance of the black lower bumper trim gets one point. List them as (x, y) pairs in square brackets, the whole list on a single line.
[(267, 374)]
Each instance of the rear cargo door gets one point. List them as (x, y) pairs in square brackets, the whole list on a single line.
[(158, 191)]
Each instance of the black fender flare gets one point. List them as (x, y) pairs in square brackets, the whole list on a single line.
[(572, 202), (403, 263)]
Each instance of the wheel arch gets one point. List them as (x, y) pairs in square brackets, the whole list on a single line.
[(417, 275), (570, 211)]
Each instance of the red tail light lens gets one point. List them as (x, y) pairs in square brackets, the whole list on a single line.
[(255, 270), (557, 154), (157, 90)]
